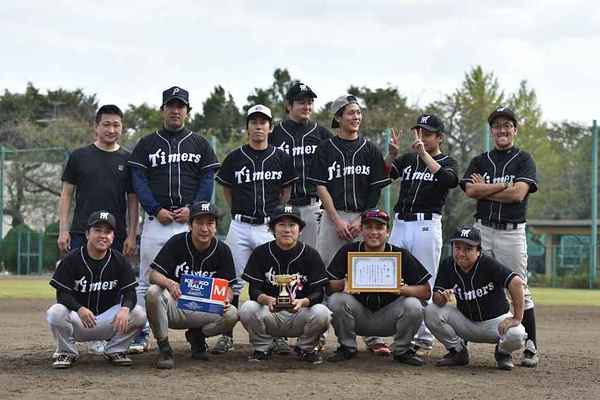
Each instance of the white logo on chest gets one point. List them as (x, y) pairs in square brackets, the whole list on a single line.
[(160, 157), (336, 171), (244, 175)]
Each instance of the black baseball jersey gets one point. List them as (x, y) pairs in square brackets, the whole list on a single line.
[(256, 178), (101, 182), (95, 284), (497, 166), (179, 256), (173, 162), (269, 260), (301, 142), (413, 273), (421, 191), (349, 169), (480, 292)]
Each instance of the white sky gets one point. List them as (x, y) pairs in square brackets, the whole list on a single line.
[(129, 51)]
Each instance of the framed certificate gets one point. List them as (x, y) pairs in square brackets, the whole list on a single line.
[(379, 272)]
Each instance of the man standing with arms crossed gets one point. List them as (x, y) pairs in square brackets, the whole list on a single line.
[(426, 175), (170, 169), (99, 177), (501, 181), (256, 178), (299, 137)]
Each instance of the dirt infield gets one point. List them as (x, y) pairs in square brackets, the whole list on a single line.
[(569, 368)]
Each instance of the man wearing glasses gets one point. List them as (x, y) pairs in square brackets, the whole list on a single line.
[(501, 181)]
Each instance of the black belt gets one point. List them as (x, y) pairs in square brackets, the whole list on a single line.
[(415, 216), (501, 226), (303, 201), (250, 220)]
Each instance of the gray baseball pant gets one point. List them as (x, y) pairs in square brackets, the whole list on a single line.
[(509, 248), (67, 328), (452, 329), (262, 325), (401, 319), (311, 215), (328, 241), (163, 314)]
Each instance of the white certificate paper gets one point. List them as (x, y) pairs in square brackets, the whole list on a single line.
[(374, 272)]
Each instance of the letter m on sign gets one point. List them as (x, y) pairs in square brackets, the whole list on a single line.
[(219, 289)]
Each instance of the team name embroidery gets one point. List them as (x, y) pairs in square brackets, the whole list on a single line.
[(298, 150), (245, 176), (465, 233), (335, 170), (475, 293), (499, 179), (161, 158), (183, 268), (81, 285), (408, 175)]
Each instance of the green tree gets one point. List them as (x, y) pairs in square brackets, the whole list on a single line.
[(220, 116), (139, 121), (274, 95)]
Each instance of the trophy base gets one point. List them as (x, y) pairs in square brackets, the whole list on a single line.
[(283, 306)]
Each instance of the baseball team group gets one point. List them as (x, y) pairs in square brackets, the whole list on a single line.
[(300, 199)]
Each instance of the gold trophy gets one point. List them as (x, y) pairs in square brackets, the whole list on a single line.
[(284, 301)]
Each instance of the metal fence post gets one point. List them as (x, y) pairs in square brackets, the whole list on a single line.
[(593, 242), (387, 134)]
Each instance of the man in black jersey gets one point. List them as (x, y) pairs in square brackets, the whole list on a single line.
[(256, 178), (298, 136), (426, 176), (197, 252), (377, 314), (501, 181), (95, 294), (170, 169), (349, 173), (304, 280), (482, 312), (98, 176)]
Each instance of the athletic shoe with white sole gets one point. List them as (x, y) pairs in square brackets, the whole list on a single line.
[(64, 360)]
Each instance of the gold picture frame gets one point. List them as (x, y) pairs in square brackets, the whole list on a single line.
[(374, 272)]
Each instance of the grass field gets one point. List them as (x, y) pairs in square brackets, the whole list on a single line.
[(38, 288)]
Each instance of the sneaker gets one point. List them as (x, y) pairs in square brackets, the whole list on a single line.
[(197, 342), (313, 357), (380, 349), (223, 345), (454, 358), (281, 346), (259, 356), (530, 357), (422, 346), (165, 355), (119, 359), (139, 344), (342, 354), (503, 361), (96, 347), (409, 357), (64, 360)]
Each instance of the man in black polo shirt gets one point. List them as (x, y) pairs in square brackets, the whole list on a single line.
[(501, 181), (482, 312), (196, 252), (377, 314)]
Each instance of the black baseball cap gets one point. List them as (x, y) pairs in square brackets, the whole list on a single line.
[(286, 210), (176, 93), (430, 123), (102, 217), (375, 215), (299, 91), (468, 234), (502, 112), (200, 208)]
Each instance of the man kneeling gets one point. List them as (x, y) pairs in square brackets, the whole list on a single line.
[(287, 279), (377, 314), (482, 311), (196, 252), (95, 297)]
